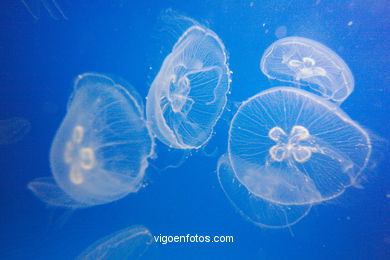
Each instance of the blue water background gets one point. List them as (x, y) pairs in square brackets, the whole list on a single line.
[(39, 59)]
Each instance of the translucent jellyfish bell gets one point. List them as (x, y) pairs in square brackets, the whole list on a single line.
[(300, 60), (101, 150), (129, 243), (255, 209), (189, 92), (291, 147)]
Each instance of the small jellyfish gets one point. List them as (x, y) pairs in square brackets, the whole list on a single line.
[(257, 210), (291, 147), (101, 150), (13, 130), (52, 7), (129, 243), (307, 62), (189, 93)]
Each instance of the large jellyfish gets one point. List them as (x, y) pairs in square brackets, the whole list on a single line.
[(291, 147), (189, 92), (257, 210), (303, 61), (129, 243), (101, 150)]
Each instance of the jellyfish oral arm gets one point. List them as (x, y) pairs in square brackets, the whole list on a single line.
[(290, 146), (305, 68)]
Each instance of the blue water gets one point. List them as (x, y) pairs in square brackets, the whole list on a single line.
[(40, 56)]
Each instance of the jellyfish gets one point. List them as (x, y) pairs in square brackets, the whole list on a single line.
[(307, 62), (129, 243), (52, 7), (12, 130), (101, 150), (189, 93), (291, 147), (255, 209)]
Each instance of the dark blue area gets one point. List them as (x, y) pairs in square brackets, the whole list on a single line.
[(39, 59)]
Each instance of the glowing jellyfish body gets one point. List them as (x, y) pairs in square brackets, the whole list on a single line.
[(259, 211), (189, 92), (291, 147), (100, 151), (303, 61), (129, 243)]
